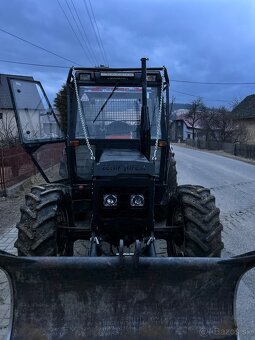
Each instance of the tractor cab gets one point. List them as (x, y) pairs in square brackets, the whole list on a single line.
[(117, 109), (118, 143), (116, 158)]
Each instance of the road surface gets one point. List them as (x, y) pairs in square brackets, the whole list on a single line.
[(233, 184)]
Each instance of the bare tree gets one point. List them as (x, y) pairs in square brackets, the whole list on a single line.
[(207, 123), (194, 114), (220, 125), (235, 102), (224, 124), (8, 130)]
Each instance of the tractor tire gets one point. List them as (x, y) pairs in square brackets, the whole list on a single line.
[(195, 210), (37, 229)]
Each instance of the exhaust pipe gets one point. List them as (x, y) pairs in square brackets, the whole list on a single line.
[(145, 129)]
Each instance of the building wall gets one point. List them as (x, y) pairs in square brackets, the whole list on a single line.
[(250, 125), (181, 132), (187, 132), (176, 131)]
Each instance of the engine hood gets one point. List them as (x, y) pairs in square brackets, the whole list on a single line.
[(115, 162)]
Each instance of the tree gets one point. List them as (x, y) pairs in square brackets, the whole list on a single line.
[(8, 130), (220, 125), (235, 102), (60, 103), (207, 123), (194, 114), (224, 124)]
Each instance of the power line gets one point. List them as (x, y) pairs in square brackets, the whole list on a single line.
[(212, 83), (79, 32), (82, 31), (91, 8), (40, 47), (209, 99), (32, 64), (93, 27), (78, 39), (59, 66)]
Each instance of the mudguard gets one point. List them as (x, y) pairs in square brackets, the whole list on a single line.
[(71, 298)]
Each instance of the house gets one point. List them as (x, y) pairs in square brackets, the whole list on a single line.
[(244, 112), (8, 127), (181, 128)]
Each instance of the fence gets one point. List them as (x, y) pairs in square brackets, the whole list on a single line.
[(245, 150), (16, 165), (242, 150)]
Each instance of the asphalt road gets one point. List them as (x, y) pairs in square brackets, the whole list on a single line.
[(233, 184)]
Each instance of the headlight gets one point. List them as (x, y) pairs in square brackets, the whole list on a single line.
[(110, 200), (137, 200)]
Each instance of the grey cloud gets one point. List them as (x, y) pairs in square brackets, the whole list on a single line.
[(197, 40)]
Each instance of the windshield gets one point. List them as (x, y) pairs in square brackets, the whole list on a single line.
[(112, 112)]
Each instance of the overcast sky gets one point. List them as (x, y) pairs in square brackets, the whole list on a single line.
[(197, 40)]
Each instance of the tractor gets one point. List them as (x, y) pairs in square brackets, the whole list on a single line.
[(152, 268), (119, 179)]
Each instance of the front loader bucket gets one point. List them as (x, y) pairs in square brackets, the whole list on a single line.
[(104, 298)]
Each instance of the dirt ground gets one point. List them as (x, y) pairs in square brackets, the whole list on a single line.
[(10, 211), (10, 205)]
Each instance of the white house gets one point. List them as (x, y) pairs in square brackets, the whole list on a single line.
[(8, 126)]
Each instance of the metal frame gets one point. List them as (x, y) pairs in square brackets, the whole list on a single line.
[(72, 106), (31, 147), (17, 116), (73, 180)]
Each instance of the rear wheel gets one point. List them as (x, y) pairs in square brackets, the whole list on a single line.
[(194, 211), (37, 230)]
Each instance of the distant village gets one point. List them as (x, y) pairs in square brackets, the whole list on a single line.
[(198, 122)]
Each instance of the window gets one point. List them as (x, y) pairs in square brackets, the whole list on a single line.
[(37, 120), (1, 115), (111, 113)]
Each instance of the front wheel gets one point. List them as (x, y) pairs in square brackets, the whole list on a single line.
[(194, 211), (40, 216)]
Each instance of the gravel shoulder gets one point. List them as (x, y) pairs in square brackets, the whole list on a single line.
[(10, 205), (10, 211)]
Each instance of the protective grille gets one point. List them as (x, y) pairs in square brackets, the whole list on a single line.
[(115, 112), (127, 110)]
